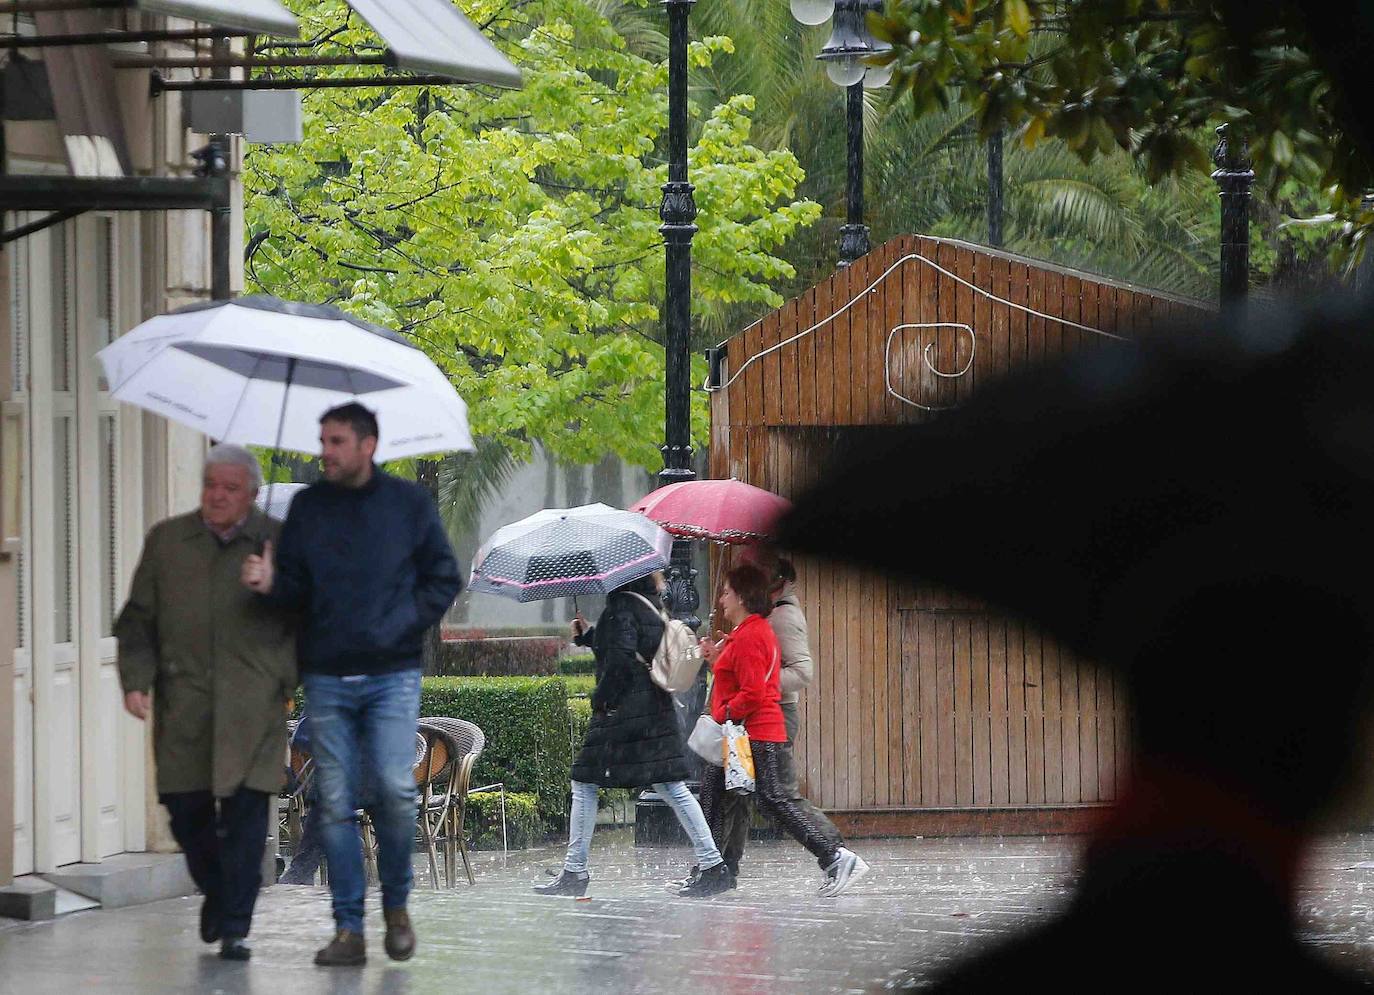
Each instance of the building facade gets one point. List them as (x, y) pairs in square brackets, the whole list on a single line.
[(82, 479)]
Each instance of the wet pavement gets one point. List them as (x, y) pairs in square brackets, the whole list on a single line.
[(927, 903)]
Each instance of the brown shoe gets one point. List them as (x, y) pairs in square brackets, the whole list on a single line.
[(400, 938), (347, 949)]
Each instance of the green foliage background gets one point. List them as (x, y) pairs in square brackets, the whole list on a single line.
[(514, 234)]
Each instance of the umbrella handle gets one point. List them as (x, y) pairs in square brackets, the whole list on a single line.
[(281, 427)]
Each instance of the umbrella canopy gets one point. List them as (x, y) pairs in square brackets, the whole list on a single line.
[(275, 499), (728, 511), (564, 552), (260, 371)]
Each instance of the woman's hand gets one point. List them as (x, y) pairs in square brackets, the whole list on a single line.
[(578, 626), (710, 648)]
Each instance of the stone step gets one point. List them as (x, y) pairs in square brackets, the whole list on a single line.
[(127, 879), (29, 897)]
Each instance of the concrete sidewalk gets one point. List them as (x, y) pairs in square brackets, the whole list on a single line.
[(927, 903)]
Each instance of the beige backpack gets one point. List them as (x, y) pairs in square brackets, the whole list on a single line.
[(677, 661)]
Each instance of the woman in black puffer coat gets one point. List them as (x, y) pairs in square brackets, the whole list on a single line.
[(633, 739)]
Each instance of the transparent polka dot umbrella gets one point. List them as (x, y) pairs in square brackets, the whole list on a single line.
[(564, 552)]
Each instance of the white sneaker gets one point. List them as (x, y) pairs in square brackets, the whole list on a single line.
[(847, 868)]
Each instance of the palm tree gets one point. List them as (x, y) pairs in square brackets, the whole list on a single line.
[(930, 172)]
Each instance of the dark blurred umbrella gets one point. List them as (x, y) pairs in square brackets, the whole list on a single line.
[(564, 552), (1097, 495), (1194, 512)]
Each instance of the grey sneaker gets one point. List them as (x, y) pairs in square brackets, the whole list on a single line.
[(847, 868), (567, 883)]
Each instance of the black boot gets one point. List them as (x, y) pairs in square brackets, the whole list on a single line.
[(712, 881), (209, 921), (567, 883), (233, 948)]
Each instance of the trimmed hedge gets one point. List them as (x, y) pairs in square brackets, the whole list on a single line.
[(498, 657), (582, 663), (525, 720), (501, 631), (482, 820), (580, 685), (580, 717)]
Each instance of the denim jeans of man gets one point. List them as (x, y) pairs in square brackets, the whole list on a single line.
[(582, 823), (370, 720)]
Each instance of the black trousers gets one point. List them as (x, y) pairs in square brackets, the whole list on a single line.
[(774, 797), (738, 810), (223, 840)]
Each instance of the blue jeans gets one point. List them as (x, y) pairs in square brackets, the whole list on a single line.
[(582, 823), (365, 720)]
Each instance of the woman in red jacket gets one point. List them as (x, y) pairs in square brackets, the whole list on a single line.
[(746, 689)]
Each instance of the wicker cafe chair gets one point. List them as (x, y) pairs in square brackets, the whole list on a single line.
[(442, 812)]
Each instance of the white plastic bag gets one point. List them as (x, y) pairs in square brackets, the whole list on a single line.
[(707, 741)]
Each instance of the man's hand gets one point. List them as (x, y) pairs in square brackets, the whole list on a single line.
[(578, 626), (138, 704), (257, 571)]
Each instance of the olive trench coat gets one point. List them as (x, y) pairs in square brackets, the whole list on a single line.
[(219, 660)]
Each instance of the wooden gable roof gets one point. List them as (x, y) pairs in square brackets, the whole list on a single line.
[(915, 326)]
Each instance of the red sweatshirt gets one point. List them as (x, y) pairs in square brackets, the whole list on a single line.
[(747, 681)]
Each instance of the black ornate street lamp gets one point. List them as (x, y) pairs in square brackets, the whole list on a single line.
[(678, 211), (850, 43), (1235, 179)]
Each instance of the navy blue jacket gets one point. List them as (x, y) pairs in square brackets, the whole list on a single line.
[(369, 569)]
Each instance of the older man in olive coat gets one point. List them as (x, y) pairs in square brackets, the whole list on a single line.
[(220, 664)]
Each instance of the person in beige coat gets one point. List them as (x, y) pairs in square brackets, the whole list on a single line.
[(214, 666), (798, 671)]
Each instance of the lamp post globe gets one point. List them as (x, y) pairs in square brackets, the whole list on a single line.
[(845, 71), (812, 12)]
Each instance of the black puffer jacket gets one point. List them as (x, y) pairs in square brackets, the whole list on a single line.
[(633, 739)]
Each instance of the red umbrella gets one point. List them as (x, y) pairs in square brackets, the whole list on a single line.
[(728, 511)]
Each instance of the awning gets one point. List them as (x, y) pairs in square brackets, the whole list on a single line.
[(263, 16), (85, 97), (434, 36)]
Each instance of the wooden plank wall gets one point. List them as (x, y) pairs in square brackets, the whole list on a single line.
[(845, 372), (957, 707)]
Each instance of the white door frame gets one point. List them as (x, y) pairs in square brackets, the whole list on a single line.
[(17, 409), (102, 801)]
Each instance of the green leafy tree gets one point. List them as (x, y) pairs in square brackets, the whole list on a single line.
[(1150, 78), (514, 234)]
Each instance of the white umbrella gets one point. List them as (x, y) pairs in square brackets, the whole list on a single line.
[(260, 371), (564, 552), (276, 499)]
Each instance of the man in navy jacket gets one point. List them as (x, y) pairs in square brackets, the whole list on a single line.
[(365, 561)]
